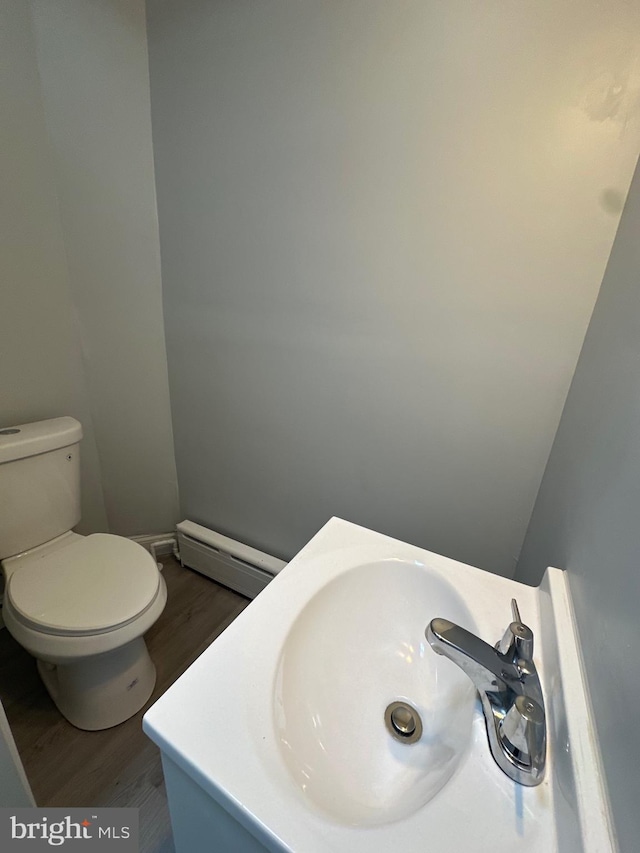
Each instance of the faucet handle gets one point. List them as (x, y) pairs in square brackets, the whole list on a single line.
[(515, 611), (517, 641)]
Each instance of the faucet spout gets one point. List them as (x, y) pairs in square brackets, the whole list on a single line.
[(484, 666), (505, 676)]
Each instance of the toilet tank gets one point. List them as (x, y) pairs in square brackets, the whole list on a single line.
[(39, 483)]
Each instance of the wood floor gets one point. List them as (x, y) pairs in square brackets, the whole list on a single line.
[(120, 766)]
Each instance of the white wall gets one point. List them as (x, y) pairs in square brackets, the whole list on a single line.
[(586, 516), (94, 74), (15, 790), (41, 357), (383, 229)]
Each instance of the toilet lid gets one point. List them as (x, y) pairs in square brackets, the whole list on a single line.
[(95, 584)]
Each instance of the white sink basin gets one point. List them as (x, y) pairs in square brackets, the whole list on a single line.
[(275, 738), (357, 646)]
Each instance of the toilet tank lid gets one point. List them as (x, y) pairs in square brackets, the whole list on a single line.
[(24, 440)]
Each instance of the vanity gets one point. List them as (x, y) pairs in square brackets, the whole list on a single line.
[(322, 718)]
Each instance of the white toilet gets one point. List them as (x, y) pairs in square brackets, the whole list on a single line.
[(78, 604)]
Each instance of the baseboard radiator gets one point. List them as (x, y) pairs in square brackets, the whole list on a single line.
[(224, 560)]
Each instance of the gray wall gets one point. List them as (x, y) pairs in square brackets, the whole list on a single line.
[(94, 74), (81, 328), (383, 228), (41, 358), (586, 517)]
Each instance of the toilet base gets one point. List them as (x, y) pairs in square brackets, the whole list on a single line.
[(101, 691)]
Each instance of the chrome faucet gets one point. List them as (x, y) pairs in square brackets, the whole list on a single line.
[(510, 691)]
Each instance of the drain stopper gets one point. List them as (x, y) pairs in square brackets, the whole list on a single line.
[(403, 722)]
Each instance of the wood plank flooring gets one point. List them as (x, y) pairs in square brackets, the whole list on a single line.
[(120, 766)]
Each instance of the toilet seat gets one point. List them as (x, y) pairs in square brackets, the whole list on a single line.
[(93, 585)]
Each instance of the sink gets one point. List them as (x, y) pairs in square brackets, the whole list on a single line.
[(281, 736), (357, 646)]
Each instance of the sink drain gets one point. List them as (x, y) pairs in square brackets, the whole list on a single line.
[(403, 721)]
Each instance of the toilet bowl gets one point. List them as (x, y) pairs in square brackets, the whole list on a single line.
[(79, 604)]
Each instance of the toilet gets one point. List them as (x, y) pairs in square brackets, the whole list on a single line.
[(79, 604)]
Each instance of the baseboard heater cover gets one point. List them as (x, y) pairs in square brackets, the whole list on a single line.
[(225, 560)]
